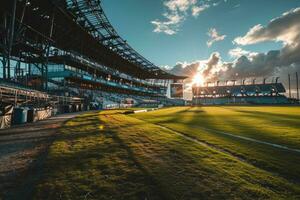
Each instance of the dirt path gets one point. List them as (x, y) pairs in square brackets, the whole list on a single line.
[(22, 152)]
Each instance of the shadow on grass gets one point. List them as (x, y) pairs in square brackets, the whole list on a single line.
[(282, 119), (202, 162), (87, 162), (276, 161)]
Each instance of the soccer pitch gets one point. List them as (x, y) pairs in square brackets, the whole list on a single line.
[(236, 152)]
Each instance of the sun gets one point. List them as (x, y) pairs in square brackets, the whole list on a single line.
[(198, 79)]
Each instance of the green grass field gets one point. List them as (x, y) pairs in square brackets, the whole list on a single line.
[(177, 153)]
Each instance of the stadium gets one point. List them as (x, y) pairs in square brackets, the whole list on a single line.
[(264, 93), (83, 115)]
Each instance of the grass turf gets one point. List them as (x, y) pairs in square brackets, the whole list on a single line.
[(109, 155), (279, 125)]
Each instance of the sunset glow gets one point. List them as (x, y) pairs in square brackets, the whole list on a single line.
[(198, 79)]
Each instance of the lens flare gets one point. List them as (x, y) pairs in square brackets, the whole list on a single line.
[(198, 79)]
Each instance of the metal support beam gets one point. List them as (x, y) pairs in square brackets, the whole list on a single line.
[(48, 49), (4, 45), (11, 36)]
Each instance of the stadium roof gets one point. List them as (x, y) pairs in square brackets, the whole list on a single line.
[(81, 26)]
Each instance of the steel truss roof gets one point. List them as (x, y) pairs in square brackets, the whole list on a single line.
[(79, 26), (96, 22), (91, 16)]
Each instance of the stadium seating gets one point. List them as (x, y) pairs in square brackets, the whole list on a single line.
[(270, 93), (242, 100)]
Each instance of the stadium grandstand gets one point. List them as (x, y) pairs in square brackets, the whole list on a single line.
[(61, 52), (254, 93)]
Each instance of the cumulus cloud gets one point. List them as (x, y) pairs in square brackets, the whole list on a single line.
[(238, 52), (186, 69), (169, 27), (214, 37), (176, 13), (212, 66), (179, 5), (208, 68), (246, 64), (283, 29), (196, 10), (257, 65)]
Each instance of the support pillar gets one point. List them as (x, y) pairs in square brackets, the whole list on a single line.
[(11, 36)]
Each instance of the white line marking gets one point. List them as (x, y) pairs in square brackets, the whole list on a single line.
[(234, 136), (253, 140)]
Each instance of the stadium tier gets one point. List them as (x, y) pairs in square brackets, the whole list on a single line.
[(265, 93), (69, 48)]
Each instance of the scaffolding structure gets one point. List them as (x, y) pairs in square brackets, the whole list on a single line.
[(75, 35), (32, 31)]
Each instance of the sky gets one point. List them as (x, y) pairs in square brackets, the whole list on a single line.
[(216, 39)]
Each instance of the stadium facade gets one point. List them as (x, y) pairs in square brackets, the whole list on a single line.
[(254, 93), (68, 48)]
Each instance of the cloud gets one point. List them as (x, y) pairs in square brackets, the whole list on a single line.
[(248, 64), (212, 66), (186, 69), (169, 27), (207, 68), (214, 37), (257, 65), (196, 10), (285, 29), (176, 13), (282, 29), (238, 52), (179, 5)]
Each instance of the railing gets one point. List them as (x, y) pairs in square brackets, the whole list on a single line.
[(82, 60), (68, 73), (20, 96)]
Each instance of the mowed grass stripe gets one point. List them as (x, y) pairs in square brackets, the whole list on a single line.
[(223, 154), (193, 120), (261, 122), (114, 156), (253, 140), (203, 143), (88, 162), (223, 170), (264, 123), (218, 148)]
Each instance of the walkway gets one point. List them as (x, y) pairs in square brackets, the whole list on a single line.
[(22, 150)]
